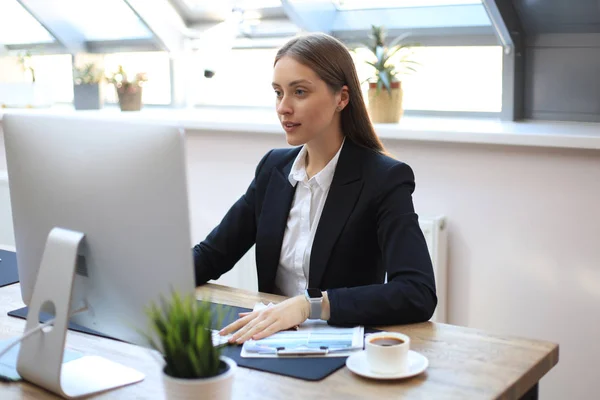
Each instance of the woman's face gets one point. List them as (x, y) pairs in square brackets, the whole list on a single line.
[(305, 105)]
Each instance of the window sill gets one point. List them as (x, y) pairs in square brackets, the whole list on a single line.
[(576, 135)]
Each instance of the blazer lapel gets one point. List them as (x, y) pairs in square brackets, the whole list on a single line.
[(273, 220), (343, 194)]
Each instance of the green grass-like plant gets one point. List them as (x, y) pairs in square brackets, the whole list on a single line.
[(181, 326)]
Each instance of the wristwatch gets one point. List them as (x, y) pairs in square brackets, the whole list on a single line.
[(315, 299)]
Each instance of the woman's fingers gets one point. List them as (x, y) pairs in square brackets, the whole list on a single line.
[(234, 326), (256, 329), (247, 327), (268, 331), (260, 324)]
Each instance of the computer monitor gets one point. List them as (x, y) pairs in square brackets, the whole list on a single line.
[(120, 185)]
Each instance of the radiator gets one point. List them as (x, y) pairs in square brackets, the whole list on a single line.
[(436, 236), (243, 275)]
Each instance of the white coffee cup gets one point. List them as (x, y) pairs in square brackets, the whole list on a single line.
[(387, 352)]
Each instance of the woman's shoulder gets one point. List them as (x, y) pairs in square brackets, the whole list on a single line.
[(383, 173), (379, 164), (277, 158), (284, 154)]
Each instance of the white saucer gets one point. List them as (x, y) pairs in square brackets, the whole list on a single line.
[(357, 363)]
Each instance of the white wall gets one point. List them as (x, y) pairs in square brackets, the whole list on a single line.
[(524, 235), (524, 246)]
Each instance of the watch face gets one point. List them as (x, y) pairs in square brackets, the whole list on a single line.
[(314, 293)]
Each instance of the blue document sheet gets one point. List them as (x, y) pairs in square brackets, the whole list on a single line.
[(313, 338)]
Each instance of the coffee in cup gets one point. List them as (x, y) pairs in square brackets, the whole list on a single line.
[(387, 352), (387, 341)]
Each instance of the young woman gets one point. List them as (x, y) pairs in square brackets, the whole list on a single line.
[(330, 216)]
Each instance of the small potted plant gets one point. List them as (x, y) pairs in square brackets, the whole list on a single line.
[(194, 367), (386, 106), (24, 60), (128, 91), (29, 92), (87, 94)]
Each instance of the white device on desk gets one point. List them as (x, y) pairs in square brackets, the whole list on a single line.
[(100, 214)]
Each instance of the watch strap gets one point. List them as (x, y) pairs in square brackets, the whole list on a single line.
[(316, 305)]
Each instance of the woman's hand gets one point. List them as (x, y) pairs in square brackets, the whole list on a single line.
[(260, 324)]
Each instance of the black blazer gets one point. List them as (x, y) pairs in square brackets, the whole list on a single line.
[(368, 227)]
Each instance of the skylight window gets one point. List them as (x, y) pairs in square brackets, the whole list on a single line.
[(108, 20), (17, 26)]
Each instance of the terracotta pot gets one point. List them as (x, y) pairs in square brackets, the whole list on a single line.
[(383, 107), (215, 388), (130, 100)]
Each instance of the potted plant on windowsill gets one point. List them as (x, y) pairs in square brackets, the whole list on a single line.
[(129, 92), (27, 92), (87, 93), (386, 106), (194, 368)]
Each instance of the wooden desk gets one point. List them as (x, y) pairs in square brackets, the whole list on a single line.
[(463, 363)]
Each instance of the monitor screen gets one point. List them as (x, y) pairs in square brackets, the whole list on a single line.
[(120, 183)]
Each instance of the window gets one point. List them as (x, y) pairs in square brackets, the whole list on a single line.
[(53, 73), (155, 64), (450, 78), (17, 26), (108, 20), (11, 71), (245, 80)]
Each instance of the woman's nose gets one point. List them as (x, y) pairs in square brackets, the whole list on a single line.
[(284, 107)]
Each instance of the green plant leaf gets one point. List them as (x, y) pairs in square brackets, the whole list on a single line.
[(387, 71), (385, 78), (379, 86), (182, 327), (398, 39), (391, 53), (379, 53), (372, 64)]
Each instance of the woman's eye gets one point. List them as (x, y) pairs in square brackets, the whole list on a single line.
[(277, 93), (300, 92)]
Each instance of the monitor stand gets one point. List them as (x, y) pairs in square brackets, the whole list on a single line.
[(41, 356)]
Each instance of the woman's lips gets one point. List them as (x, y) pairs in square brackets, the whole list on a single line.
[(290, 127)]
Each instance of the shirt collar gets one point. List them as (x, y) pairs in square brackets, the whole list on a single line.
[(323, 178)]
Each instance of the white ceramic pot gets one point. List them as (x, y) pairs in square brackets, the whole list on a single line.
[(215, 388)]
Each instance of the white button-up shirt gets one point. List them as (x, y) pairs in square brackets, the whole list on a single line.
[(303, 219)]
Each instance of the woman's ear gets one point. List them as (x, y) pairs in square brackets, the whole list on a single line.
[(344, 98)]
